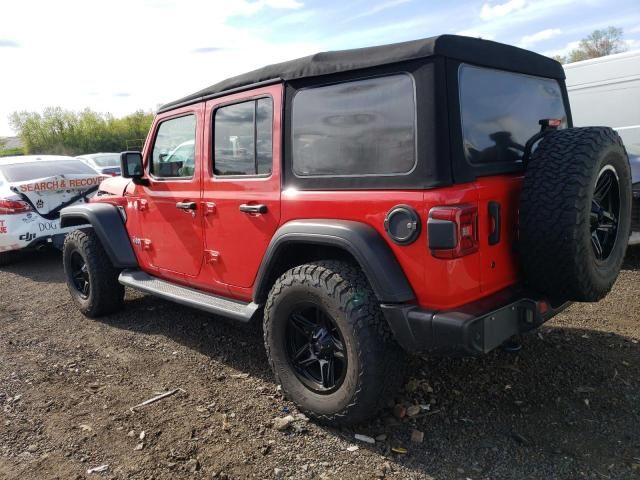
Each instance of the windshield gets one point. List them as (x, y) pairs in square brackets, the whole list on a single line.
[(20, 172), (500, 112), (111, 160)]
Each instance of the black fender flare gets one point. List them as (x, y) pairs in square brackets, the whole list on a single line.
[(362, 241), (109, 226)]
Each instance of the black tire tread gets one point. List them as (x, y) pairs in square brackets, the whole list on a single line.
[(383, 363), (554, 210), (107, 294)]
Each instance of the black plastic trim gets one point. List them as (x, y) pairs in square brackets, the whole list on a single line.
[(360, 240), (411, 216), (472, 329), (442, 234), (495, 217), (108, 225)]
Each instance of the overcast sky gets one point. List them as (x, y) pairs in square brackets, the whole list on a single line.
[(121, 55)]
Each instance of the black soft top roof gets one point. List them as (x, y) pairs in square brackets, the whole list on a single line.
[(466, 49)]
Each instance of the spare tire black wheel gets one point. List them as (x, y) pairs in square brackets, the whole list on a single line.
[(575, 213)]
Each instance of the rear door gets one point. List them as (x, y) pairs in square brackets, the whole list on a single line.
[(241, 184), (499, 112), (171, 235)]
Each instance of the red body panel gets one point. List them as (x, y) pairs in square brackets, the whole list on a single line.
[(219, 249), (239, 240)]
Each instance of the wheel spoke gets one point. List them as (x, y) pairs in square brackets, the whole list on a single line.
[(308, 361), (597, 246), (603, 187), (85, 288), (302, 324), (331, 373), (301, 351)]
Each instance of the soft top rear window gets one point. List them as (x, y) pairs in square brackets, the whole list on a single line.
[(500, 111), (20, 172)]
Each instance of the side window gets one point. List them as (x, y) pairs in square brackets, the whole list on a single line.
[(357, 128), (243, 143), (174, 148)]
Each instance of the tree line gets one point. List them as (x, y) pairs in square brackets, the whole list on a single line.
[(65, 132), (598, 43)]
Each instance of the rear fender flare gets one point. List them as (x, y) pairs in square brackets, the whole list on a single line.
[(109, 226), (362, 241)]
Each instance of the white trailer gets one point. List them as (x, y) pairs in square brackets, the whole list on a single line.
[(606, 91)]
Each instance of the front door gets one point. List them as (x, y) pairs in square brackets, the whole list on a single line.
[(241, 188), (171, 235)]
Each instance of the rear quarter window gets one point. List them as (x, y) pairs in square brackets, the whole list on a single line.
[(356, 128), (500, 112), (21, 172)]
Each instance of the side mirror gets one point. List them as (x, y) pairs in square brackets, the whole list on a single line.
[(131, 166)]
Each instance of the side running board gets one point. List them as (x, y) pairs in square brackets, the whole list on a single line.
[(187, 296)]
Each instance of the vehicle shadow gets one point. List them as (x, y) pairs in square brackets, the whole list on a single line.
[(40, 266), (570, 399), (566, 406)]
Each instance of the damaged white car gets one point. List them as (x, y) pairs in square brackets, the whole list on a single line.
[(33, 190)]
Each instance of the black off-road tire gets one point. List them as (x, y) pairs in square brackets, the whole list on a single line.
[(376, 363), (555, 242), (105, 293)]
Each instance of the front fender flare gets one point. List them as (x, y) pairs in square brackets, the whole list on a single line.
[(109, 227), (362, 241)]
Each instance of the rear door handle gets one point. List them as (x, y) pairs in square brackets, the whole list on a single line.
[(253, 208), (187, 205), (495, 218)]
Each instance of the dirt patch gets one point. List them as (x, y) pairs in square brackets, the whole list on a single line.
[(566, 406)]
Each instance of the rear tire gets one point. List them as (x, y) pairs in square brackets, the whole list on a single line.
[(373, 365), (91, 278), (573, 228)]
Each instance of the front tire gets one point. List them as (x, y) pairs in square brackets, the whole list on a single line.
[(91, 278), (328, 343)]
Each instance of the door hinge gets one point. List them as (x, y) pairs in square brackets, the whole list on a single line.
[(211, 256), (209, 208), (144, 243)]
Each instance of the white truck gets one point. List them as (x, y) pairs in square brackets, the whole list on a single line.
[(606, 91)]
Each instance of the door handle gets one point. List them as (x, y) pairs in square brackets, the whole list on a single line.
[(253, 208), (187, 205), (496, 219)]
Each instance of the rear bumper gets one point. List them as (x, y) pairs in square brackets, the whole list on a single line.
[(472, 329)]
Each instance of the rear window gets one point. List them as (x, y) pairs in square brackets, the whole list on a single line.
[(358, 128), (107, 160), (21, 172), (500, 112)]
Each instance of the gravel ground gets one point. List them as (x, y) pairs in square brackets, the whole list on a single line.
[(566, 406)]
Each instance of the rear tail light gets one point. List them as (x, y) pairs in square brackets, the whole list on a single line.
[(453, 231), (12, 207)]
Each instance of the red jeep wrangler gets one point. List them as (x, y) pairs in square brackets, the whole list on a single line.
[(427, 196)]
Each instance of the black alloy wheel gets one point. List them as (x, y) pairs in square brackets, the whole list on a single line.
[(316, 349), (605, 212), (80, 275)]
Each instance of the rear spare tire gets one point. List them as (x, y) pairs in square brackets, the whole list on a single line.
[(575, 213)]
